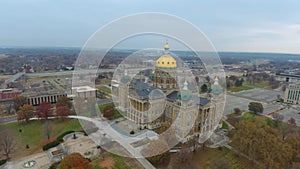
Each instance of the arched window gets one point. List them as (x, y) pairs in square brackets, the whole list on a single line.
[(163, 62)]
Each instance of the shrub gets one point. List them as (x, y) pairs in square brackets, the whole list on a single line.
[(2, 162), (60, 137), (51, 145), (54, 165)]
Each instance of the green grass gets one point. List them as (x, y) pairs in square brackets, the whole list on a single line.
[(238, 89), (263, 84), (105, 81), (34, 135), (117, 114), (224, 125), (52, 85), (104, 89), (102, 106), (249, 116), (56, 81)]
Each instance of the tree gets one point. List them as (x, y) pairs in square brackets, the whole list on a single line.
[(44, 110), (292, 122), (74, 161), (256, 140), (220, 163), (284, 130), (207, 78), (1, 109), (182, 159), (63, 101), (237, 110), (256, 107), (156, 151), (63, 111), (109, 112), (26, 112), (197, 79), (239, 82), (294, 141), (228, 85), (204, 88), (7, 142), (48, 128), (19, 101)]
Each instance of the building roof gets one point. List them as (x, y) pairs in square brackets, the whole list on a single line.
[(202, 101), (166, 61), (142, 90), (84, 89), (287, 75)]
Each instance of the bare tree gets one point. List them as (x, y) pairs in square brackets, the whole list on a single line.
[(48, 129), (7, 142)]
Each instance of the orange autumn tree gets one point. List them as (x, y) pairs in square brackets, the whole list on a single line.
[(44, 110), (63, 112), (74, 161), (26, 112)]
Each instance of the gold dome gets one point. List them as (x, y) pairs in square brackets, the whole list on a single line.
[(166, 61)]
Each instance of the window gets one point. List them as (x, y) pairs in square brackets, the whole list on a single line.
[(163, 62), (168, 63)]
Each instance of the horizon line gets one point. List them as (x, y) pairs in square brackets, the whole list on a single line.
[(77, 47)]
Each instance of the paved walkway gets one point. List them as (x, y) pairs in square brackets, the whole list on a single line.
[(125, 141), (43, 160)]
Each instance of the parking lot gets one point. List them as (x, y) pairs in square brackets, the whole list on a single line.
[(259, 94)]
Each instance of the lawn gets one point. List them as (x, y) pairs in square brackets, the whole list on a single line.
[(34, 135), (263, 84), (206, 158), (238, 89), (104, 89), (224, 125), (118, 113), (109, 160), (102, 106), (105, 81)]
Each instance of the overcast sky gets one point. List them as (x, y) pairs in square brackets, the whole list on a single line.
[(231, 25)]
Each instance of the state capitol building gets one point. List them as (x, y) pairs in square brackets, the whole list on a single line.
[(164, 99)]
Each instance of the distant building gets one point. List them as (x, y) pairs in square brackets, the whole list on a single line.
[(37, 99), (288, 78), (9, 94), (84, 92), (292, 93)]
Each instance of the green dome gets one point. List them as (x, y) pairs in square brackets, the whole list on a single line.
[(151, 76), (216, 89), (125, 79), (184, 95)]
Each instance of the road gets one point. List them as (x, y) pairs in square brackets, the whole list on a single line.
[(8, 119)]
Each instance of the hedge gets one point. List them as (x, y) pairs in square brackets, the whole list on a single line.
[(2, 162), (60, 137), (51, 145)]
